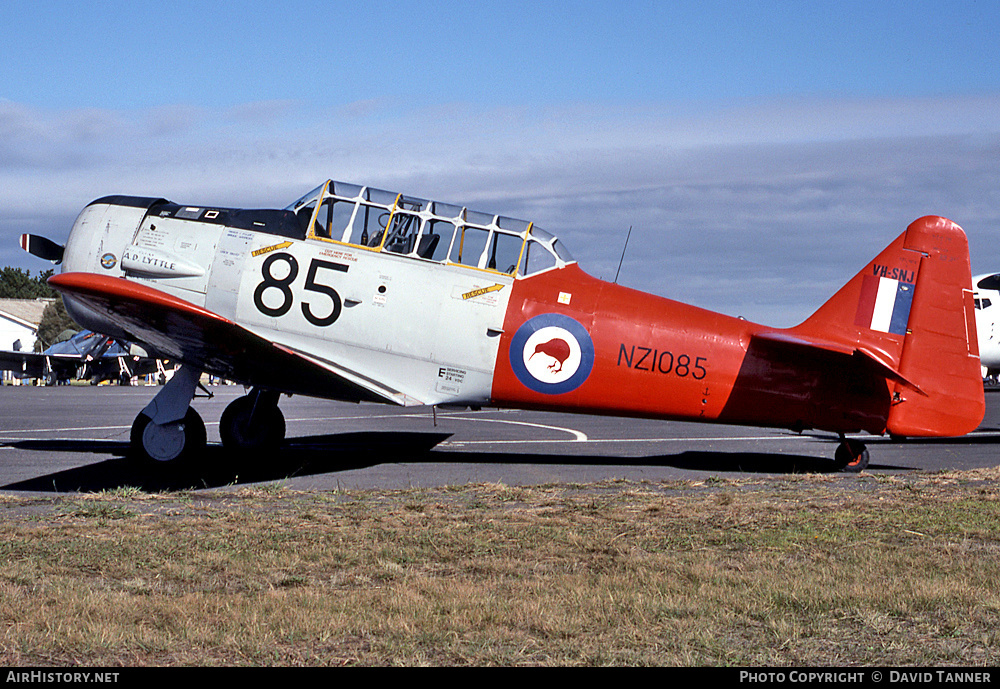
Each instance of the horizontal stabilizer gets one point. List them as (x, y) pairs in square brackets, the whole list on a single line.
[(885, 367)]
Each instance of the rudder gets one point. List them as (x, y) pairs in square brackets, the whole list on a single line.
[(941, 349)]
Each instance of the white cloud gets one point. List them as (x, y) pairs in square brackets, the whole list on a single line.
[(756, 209)]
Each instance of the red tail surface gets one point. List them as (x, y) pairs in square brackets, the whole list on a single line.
[(911, 310)]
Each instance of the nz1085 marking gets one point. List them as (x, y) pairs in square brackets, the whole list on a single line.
[(284, 286), (649, 359)]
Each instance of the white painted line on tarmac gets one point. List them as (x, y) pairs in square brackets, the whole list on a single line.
[(63, 430), (687, 439), (578, 436)]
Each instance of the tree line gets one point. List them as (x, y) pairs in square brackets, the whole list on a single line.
[(16, 283)]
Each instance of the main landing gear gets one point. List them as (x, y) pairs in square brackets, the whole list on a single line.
[(253, 422), (851, 455), (170, 431)]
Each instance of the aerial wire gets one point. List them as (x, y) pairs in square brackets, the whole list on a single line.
[(623, 253)]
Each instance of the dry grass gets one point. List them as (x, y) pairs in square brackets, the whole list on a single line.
[(813, 570)]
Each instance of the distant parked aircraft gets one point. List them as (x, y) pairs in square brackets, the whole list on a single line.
[(986, 291), (84, 356)]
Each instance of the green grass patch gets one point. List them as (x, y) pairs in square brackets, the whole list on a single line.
[(813, 570)]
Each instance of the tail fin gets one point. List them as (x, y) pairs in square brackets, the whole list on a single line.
[(911, 310)]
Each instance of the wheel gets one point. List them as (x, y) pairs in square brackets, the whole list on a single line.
[(252, 423), (171, 443), (851, 456)]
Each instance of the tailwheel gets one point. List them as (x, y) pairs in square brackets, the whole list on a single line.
[(169, 443), (851, 456), (253, 422)]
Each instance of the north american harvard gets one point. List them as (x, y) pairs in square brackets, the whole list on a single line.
[(359, 294)]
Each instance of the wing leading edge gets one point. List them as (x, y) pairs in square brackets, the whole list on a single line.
[(190, 334), (35, 365)]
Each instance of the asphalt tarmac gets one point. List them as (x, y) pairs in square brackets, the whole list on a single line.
[(75, 438)]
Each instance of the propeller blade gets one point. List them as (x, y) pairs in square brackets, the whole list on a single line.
[(37, 245)]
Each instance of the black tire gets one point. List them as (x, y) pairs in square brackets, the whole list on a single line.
[(851, 456), (172, 444), (246, 428)]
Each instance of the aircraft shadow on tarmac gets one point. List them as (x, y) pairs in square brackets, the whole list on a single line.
[(217, 467), (324, 454)]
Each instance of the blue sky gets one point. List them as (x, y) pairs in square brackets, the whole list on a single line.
[(128, 55), (761, 151)]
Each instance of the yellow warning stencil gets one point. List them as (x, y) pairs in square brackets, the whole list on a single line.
[(481, 291), (268, 249)]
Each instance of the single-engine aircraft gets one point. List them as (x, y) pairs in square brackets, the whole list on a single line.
[(986, 294), (359, 294), (84, 355)]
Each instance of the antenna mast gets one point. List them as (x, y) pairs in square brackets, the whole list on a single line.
[(623, 253)]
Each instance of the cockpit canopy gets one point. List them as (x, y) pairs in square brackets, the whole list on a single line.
[(379, 220), (990, 282)]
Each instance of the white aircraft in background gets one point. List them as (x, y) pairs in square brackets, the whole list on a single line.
[(986, 293)]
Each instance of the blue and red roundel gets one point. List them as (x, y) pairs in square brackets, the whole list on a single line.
[(552, 354)]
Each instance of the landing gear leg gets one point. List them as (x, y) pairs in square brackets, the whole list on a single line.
[(851, 456), (168, 430), (253, 422)]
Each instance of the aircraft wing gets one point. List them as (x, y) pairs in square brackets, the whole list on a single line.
[(34, 365), (865, 354), (179, 330), (64, 366)]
